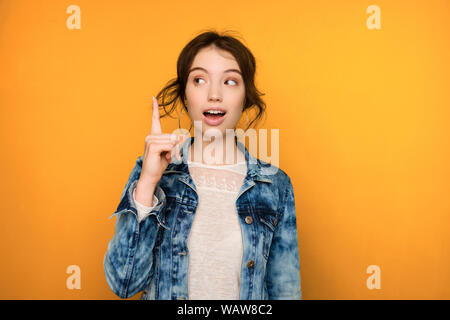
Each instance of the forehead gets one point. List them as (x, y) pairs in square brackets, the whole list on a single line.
[(214, 60)]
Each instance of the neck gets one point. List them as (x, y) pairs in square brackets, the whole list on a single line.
[(215, 151)]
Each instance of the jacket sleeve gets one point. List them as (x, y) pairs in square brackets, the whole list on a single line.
[(283, 269), (128, 261)]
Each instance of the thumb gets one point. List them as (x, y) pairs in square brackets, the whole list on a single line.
[(182, 138)]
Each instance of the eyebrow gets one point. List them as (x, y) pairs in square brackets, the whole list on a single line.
[(203, 69)]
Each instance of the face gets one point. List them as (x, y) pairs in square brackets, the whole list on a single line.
[(215, 84)]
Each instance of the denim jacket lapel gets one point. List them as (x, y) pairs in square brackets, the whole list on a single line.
[(254, 168)]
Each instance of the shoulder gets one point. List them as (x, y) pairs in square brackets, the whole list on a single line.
[(278, 176), (278, 187), (139, 161)]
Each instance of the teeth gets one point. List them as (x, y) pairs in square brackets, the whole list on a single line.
[(215, 112)]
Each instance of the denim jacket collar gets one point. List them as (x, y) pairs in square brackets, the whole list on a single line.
[(256, 170)]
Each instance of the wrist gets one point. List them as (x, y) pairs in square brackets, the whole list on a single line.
[(144, 192), (147, 180)]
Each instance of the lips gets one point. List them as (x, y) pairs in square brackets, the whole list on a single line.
[(214, 110), (214, 116)]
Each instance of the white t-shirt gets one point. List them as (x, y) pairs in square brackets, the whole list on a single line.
[(215, 239)]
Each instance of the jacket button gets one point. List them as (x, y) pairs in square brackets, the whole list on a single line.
[(248, 219), (275, 222), (250, 264)]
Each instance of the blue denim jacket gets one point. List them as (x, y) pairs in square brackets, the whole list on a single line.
[(152, 255)]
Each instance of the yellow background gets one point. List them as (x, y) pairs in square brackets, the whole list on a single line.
[(363, 118)]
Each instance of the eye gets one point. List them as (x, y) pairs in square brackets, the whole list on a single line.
[(197, 78), (233, 81)]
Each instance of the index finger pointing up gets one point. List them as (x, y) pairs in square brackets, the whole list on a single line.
[(156, 123)]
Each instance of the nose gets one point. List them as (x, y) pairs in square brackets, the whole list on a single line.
[(214, 93)]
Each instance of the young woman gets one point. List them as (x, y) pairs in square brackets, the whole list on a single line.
[(193, 226)]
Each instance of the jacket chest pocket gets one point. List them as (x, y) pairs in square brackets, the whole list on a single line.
[(268, 225)]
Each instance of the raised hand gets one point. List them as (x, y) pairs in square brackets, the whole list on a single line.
[(157, 156)]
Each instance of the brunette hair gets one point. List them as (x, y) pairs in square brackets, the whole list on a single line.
[(174, 91)]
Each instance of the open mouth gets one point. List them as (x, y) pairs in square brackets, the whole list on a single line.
[(214, 114)]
